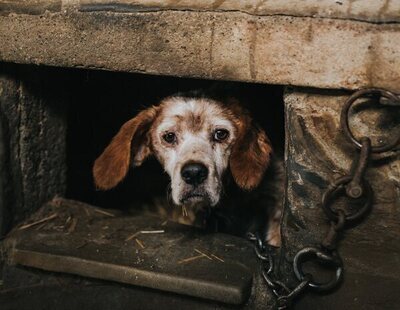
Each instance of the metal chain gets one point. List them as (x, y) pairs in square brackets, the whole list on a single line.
[(283, 294), (353, 186)]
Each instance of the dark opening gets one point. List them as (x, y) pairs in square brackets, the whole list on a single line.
[(102, 101)]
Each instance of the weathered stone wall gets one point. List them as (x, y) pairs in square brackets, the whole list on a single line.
[(377, 11), (317, 153), (33, 130), (302, 51)]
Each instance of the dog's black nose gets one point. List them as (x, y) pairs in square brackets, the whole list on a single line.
[(194, 173)]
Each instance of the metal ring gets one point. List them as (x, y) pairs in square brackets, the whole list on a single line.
[(250, 236), (344, 118), (323, 258), (332, 190), (260, 255)]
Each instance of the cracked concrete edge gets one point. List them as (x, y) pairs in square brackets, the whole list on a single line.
[(374, 11), (311, 52)]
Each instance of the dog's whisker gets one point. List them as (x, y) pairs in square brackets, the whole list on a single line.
[(184, 211), (168, 194)]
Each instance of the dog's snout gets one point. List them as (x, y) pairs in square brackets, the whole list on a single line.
[(194, 173)]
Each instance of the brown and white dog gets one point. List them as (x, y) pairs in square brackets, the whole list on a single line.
[(202, 144)]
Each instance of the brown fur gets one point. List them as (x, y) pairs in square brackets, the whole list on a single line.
[(113, 164), (250, 156), (251, 152)]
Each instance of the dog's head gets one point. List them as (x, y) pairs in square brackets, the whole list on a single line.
[(196, 140)]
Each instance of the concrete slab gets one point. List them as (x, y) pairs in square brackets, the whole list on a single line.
[(231, 45), (75, 238), (377, 11)]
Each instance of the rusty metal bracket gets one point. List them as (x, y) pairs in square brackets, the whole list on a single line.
[(353, 187)]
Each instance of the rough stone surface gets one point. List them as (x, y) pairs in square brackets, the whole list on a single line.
[(29, 6), (367, 10), (370, 10), (33, 139), (317, 153), (317, 52)]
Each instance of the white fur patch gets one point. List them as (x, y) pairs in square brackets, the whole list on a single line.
[(179, 115)]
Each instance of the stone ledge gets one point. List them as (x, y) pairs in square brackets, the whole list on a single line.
[(375, 11), (312, 52)]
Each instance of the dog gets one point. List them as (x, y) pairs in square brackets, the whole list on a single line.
[(220, 162)]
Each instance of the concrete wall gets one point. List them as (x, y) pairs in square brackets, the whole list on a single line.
[(33, 130)]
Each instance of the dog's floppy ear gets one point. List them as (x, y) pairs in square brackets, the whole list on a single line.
[(250, 155), (113, 164)]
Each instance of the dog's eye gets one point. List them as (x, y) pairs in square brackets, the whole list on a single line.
[(220, 135), (169, 137)]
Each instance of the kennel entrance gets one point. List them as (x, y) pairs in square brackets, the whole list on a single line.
[(266, 46), (123, 239)]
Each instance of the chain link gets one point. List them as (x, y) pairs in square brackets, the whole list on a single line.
[(354, 187)]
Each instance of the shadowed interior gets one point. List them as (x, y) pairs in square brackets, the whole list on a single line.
[(103, 101)]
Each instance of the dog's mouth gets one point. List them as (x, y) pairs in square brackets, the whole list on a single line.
[(195, 197)]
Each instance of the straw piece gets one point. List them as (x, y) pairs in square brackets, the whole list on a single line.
[(140, 243), (152, 231), (148, 232), (86, 211), (218, 258), (38, 222), (82, 245), (72, 227), (189, 259), (132, 236), (184, 211), (204, 254), (39, 227), (104, 212)]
